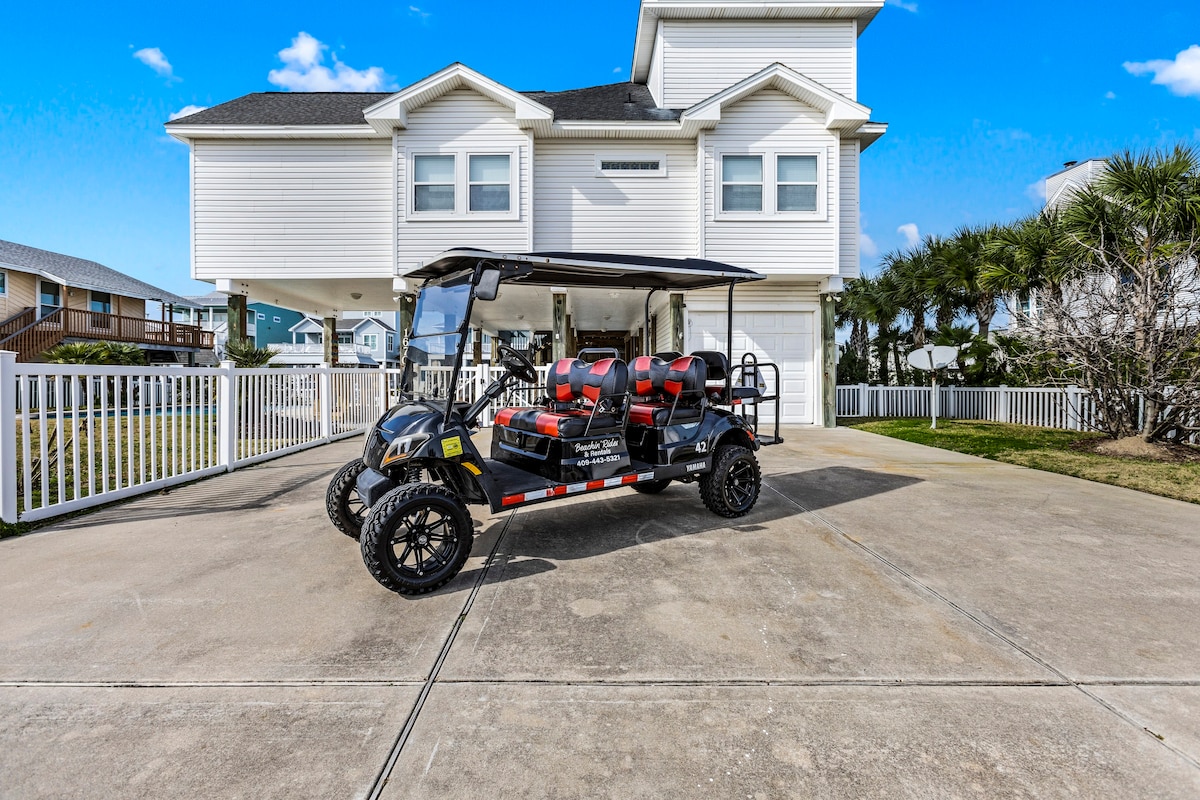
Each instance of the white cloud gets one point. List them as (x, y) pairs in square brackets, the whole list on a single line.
[(1110, 95), (1181, 76), (153, 58), (1036, 192), (867, 246), (616, 70), (416, 12), (304, 70), (187, 111), (912, 236), (902, 4)]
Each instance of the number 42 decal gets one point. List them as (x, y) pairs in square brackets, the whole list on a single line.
[(702, 447)]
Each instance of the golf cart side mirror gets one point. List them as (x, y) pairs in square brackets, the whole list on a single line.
[(489, 285)]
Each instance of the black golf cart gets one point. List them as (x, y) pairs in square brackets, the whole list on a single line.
[(601, 424)]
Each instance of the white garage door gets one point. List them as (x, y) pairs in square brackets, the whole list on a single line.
[(781, 337)]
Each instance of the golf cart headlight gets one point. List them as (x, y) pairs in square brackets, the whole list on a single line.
[(403, 447)]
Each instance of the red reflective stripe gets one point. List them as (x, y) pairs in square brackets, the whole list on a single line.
[(629, 478), (512, 500), (592, 485), (560, 490)]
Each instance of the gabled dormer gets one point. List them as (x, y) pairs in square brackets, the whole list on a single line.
[(688, 50)]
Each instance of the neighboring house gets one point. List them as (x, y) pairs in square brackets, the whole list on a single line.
[(361, 342), (738, 140), (265, 324), (48, 298)]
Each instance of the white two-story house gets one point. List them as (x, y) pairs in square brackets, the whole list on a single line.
[(737, 140)]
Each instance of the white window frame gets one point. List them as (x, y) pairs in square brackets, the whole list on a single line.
[(370, 341), (277, 319), (601, 172), (770, 211), (3, 283), (462, 186), (260, 315)]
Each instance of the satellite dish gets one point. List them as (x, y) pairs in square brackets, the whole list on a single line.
[(932, 357)]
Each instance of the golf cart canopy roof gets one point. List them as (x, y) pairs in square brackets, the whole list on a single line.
[(591, 269)]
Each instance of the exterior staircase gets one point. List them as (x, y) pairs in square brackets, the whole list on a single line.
[(30, 336)]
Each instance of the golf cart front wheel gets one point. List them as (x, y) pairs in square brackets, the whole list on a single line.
[(345, 508), (732, 488), (416, 538)]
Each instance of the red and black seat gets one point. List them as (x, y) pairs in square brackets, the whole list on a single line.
[(585, 400), (666, 393), (717, 364)]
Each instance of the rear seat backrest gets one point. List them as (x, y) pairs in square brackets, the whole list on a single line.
[(571, 379), (685, 379), (647, 376)]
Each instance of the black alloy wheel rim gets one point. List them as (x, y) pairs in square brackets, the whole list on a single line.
[(739, 485), (424, 541), (355, 507)]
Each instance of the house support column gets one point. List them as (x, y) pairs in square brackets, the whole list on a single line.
[(236, 318), (561, 330), (329, 340), (828, 361), (677, 338), (477, 347)]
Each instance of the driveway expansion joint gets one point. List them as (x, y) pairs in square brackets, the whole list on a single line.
[(385, 773), (1082, 687)]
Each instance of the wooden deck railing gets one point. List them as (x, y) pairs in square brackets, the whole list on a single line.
[(16, 322), (71, 323)]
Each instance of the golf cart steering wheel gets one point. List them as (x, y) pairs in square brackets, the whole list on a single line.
[(516, 363)]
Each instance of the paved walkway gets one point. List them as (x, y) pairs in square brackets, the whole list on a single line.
[(890, 621)]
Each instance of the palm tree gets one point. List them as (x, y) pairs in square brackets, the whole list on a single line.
[(879, 308), (908, 286), (961, 263), (1031, 255), (1136, 232)]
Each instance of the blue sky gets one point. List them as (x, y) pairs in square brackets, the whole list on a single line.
[(984, 98)]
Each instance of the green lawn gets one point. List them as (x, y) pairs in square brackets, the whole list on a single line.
[(1064, 452)]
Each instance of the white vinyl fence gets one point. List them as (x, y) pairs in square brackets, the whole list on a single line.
[(1063, 407), (74, 436)]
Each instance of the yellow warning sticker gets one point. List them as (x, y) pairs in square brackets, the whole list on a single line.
[(452, 446)]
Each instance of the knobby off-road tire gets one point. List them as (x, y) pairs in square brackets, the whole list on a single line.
[(345, 508), (416, 538), (651, 487), (732, 488)]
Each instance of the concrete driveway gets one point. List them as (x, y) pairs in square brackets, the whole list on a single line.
[(889, 621)]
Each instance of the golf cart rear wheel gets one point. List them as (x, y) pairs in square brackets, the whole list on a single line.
[(732, 488), (345, 508), (651, 487), (416, 538)]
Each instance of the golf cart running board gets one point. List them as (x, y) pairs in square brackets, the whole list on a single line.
[(700, 465)]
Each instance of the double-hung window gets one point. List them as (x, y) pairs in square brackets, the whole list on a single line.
[(742, 184), (433, 183), (3, 283), (459, 184), (763, 185), (796, 183), (490, 183), (370, 340)]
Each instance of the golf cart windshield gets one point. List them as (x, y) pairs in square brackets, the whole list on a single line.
[(438, 322)]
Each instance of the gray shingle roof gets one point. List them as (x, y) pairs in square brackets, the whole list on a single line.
[(83, 273), (615, 101)]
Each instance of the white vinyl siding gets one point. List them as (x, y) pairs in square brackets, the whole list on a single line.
[(702, 57), (462, 122), (771, 122), (577, 210), (292, 209), (849, 230)]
